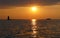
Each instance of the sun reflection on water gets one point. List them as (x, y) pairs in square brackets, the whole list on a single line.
[(33, 21), (34, 28)]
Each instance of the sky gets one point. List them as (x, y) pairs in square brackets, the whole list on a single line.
[(21, 9)]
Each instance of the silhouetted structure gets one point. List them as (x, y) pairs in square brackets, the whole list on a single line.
[(8, 18), (48, 19)]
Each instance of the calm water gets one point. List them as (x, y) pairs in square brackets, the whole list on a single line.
[(30, 28)]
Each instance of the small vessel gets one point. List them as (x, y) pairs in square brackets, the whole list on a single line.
[(8, 18), (48, 19)]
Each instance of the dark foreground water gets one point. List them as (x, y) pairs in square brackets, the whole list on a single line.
[(29, 29)]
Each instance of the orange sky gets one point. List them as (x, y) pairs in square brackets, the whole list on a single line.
[(52, 11)]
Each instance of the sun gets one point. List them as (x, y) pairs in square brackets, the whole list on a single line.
[(34, 9)]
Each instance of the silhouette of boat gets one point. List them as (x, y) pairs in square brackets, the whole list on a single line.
[(8, 18), (48, 19)]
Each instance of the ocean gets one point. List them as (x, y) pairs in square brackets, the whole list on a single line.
[(25, 28)]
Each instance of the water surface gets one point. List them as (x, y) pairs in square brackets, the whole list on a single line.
[(30, 28)]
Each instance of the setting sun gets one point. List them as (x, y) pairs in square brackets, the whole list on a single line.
[(34, 9)]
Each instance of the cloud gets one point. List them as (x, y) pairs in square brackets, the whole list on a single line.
[(49, 2), (28, 2)]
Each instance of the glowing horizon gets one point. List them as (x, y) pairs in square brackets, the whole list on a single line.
[(27, 13)]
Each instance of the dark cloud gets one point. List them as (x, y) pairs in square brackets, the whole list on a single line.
[(49, 2), (27, 2)]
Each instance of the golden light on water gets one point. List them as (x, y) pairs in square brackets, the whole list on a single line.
[(34, 32), (34, 27), (33, 21)]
